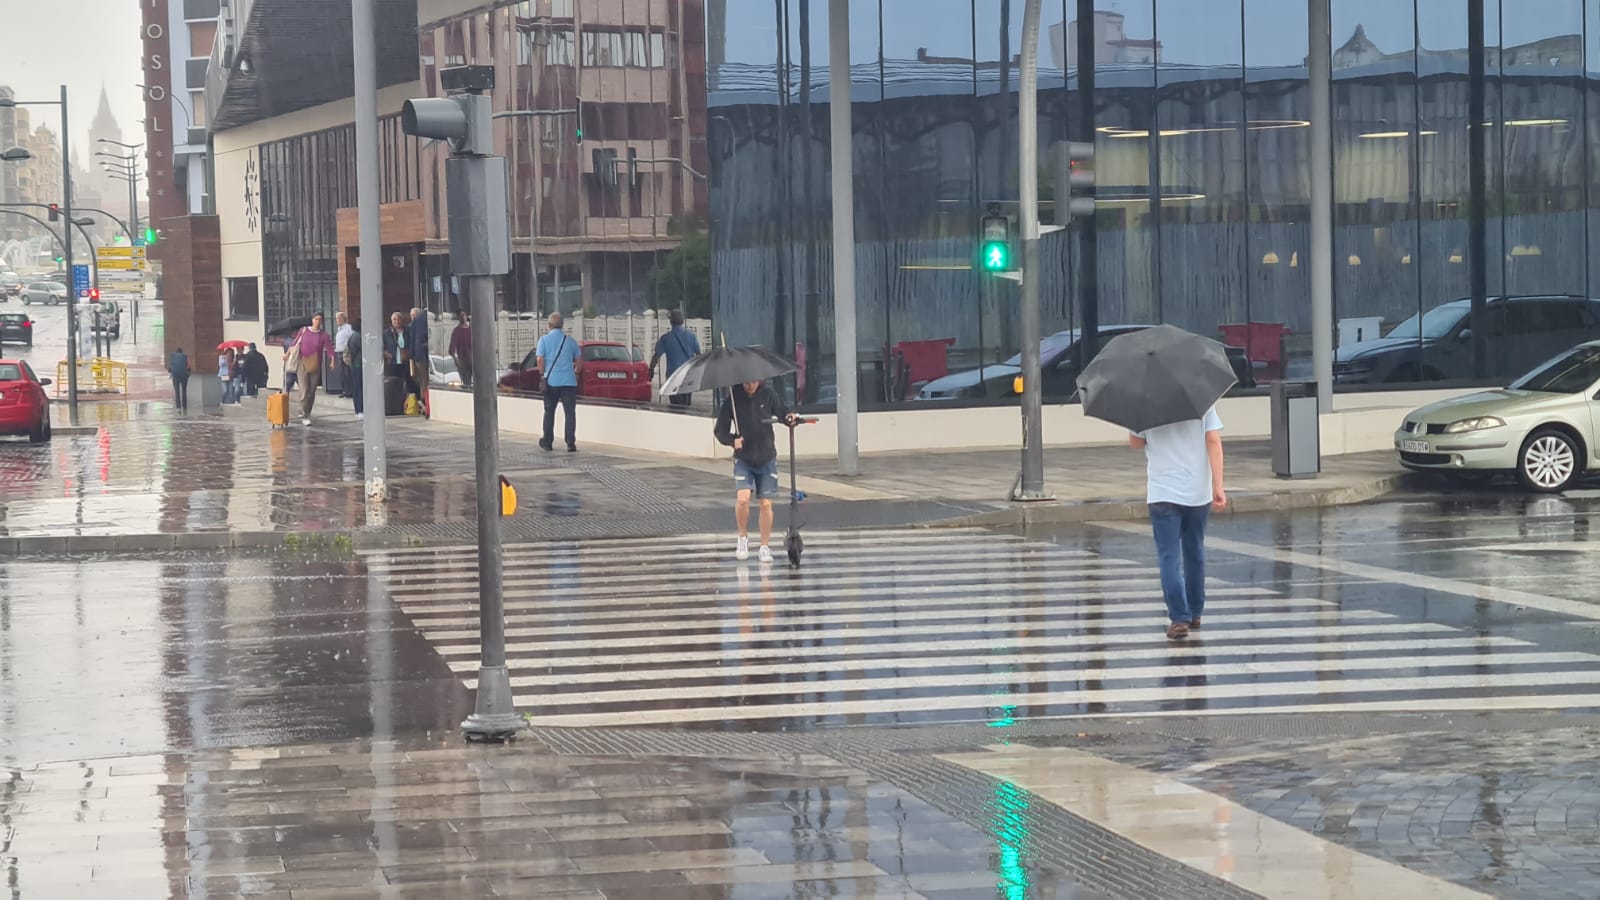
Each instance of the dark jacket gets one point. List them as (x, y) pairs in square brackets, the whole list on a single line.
[(255, 368), (461, 342), (391, 346), (755, 415), (417, 336), (178, 365)]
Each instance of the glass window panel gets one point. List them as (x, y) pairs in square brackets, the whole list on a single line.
[(1375, 259), (1200, 146), (1125, 73), (930, 194), (1278, 176)]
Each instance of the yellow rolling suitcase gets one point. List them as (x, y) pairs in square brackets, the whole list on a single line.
[(278, 409)]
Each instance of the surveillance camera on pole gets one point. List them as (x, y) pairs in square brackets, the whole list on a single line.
[(480, 249)]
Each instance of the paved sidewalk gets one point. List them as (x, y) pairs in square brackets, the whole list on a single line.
[(148, 479)]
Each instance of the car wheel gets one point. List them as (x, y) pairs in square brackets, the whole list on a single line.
[(1549, 462), (41, 432)]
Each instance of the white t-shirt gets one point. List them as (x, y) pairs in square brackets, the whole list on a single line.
[(341, 338), (1177, 465)]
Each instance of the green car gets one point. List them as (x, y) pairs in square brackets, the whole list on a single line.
[(1545, 427)]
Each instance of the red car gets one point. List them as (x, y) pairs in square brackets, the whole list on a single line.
[(24, 406), (610, 372)]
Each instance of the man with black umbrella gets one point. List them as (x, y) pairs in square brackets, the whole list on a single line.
[(745, 424), (1184, 474)]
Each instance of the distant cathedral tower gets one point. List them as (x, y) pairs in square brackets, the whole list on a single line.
[(104, 126)]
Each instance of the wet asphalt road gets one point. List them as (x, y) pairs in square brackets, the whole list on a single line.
[(121, 655)]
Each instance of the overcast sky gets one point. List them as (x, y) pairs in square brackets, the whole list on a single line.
[(79, 43)]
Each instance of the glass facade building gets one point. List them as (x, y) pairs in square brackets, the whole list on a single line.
[(676, 154), (1201, 115)]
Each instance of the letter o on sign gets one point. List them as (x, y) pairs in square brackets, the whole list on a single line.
[(156, 93), (154, 31)]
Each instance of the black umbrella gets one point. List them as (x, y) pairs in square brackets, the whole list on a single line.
[(1155, 377), (722, 367), (289, 326)]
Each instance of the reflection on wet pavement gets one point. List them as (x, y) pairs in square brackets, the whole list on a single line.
[(111, 656), (434, 818)]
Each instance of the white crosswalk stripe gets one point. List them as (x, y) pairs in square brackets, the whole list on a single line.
[(933, 625)]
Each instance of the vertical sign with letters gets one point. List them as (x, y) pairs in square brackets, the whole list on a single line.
[(166, 200)]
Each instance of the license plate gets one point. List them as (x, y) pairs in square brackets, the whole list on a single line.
[(613, 376), (1414, 446)]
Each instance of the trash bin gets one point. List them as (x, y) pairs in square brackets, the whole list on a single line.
[(1296, 430)]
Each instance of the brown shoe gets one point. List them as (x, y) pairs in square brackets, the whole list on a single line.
[(1177, 631), (1194, 624)]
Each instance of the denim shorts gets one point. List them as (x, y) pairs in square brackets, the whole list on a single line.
[(763, 479)]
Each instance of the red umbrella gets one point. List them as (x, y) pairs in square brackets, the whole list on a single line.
[(232, 345)]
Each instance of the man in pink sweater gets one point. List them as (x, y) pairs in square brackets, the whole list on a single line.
[(316, 351)]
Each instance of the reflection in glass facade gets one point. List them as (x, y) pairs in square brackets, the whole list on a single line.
[(1202, 135)]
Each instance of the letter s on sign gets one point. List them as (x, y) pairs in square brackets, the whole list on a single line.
[(155, 62)]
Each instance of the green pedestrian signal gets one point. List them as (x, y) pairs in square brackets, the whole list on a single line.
[(149, 236), (994, 254)]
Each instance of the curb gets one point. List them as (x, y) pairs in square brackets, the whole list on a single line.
[(1078, 513), (1016, 515)]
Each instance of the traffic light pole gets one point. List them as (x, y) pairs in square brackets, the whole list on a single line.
[(480, 249), (369, 256), (1031, 485), (72, 302)]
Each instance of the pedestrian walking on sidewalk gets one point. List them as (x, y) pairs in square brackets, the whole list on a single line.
[(341, 340), (417, 343), (678, 345), (352, 364), (560, 361), (178, 369), (745, 424), (1184, 474), (461, 349), (291, 363), (227, 368), (316, 351), (255, 371)]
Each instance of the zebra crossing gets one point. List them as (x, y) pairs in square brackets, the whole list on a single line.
[(920, 626)]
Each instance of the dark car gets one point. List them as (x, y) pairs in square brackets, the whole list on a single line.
[(16, 328), (610, 372), (24, 406), (1519, 333), (109, 318), (1060, 360)]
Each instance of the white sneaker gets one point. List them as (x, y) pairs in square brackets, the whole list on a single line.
[(764, 554), (306, 422), (360, 416), (742, 552)]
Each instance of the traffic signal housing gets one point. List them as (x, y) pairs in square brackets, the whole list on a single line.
[(465, 118), (55, 212), (1074, 174), (994, 250)]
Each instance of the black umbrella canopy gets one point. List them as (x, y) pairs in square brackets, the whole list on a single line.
[(289, 326), (722, 367), (1158, 376)]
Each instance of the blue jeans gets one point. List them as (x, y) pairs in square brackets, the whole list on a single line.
[(1180, 546)]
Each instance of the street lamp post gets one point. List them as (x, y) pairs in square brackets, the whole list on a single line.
[(66, 209), (129, 168)]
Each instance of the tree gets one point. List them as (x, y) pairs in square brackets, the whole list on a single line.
[(683, 279)]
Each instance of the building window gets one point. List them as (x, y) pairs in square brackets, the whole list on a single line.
[(559, 51), (561, 9), (244, 299), (201, 9), (602, 48), (197, 108)]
